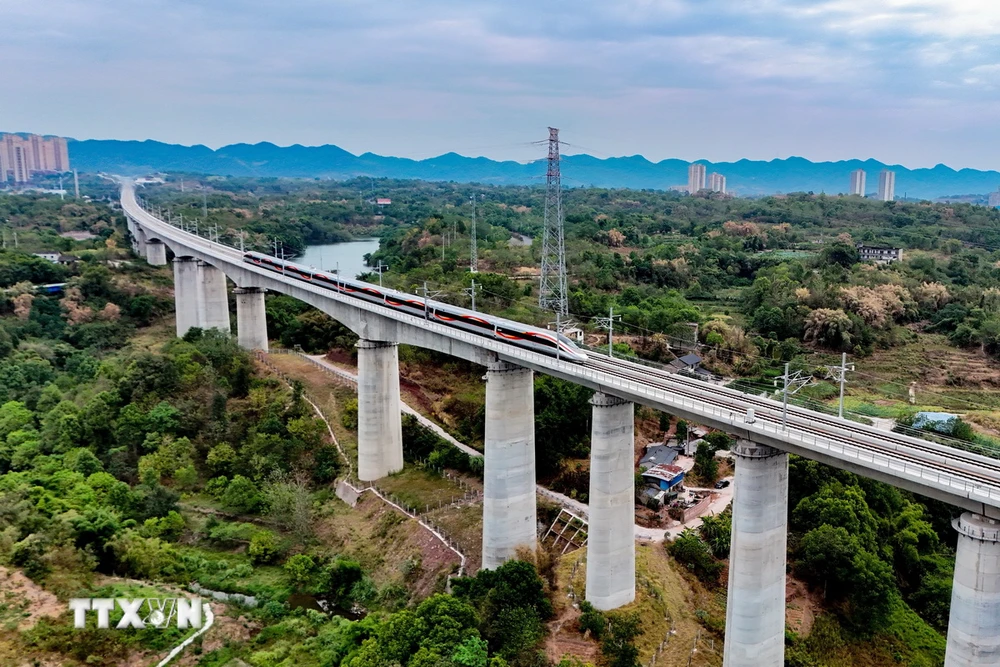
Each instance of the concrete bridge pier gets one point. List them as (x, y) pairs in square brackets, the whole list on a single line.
[(251, 320), (140, 241), (509, 517), (380, 429), (610, 538), (214, 298), (755, 611), (187, 294), (156, 253), (974, 624)]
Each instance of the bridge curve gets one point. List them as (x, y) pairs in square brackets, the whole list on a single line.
[(766, 434)]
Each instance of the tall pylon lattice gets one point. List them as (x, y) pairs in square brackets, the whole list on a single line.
[(474, 247), (552, 293)]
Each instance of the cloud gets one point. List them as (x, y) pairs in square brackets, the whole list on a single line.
[(694, 78)]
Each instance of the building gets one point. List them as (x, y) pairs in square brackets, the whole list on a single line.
[(858, 178), (879, 254), (887, 185), (696, 178), (717, 183), (57, 257), (994, 199), (664, 475), (22, 156), (658, 455)]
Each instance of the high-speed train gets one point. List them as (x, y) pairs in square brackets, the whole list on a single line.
[(515, 333)]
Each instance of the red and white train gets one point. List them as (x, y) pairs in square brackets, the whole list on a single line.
[(508, 331)]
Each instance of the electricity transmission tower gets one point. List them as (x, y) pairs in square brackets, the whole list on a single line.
[(552, 288), (474, 260)]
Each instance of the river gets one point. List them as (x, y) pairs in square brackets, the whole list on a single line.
[(350, 255)]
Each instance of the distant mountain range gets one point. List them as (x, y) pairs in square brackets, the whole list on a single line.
[(745, 177)]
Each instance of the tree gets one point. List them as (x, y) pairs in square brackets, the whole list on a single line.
[(263, 547), (242, 495), (473, 652), (300, 569), (841, 254), (562, 422), (829, 328), (717, 531), (706, 466), (618, 645), (340, 578), (692, 552)]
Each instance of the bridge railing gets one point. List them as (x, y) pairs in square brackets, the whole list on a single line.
[(924, 474)]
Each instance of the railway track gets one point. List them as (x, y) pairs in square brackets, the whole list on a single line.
[(984, 470)]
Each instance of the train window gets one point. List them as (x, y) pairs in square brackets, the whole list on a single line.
[(475, 321), (510, 333), (541, 338)]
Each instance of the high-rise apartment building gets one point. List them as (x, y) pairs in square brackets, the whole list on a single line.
[(696, 178), (858, 178), (717, 183), (20, 156), (994, 199), (887, 185)]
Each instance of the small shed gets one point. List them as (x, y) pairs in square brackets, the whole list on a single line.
[(666, 476)]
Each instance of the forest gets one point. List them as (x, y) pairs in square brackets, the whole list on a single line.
[(129, 455)]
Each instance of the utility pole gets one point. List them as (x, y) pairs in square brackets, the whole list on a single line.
[(471, 291), (784, 398), (552, 286), (609, 324), (380, 268), (62, 193), (76, 183), (839, 374), (428, 295), (474, 260), (242, 235), (792, 384), (282, 258)]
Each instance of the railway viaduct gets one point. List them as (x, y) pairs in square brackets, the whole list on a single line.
[(755, 620)]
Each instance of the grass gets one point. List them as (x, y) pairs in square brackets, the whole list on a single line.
[(673, 608), (907, 640), (464, 524), (419, 488)]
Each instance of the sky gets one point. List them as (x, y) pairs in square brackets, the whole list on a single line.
[(911, 82)]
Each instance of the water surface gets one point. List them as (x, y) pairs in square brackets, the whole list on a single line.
[(349, 255)]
